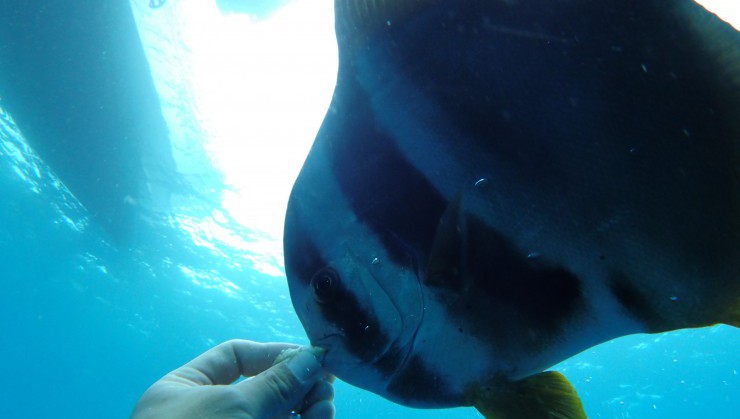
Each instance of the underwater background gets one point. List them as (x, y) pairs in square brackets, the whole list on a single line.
[(96, 306)]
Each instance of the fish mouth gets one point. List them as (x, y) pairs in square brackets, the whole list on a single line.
[(324, 342)]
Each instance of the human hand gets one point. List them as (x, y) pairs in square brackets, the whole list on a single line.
[(200, 388)]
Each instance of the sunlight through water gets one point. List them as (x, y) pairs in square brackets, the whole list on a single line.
[(260, 89)]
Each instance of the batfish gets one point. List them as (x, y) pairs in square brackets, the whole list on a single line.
[(499, 185)]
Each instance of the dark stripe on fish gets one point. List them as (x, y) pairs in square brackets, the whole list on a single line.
[(545, 295), (360, 330), (417, 382), (384, 190), (504, 287)]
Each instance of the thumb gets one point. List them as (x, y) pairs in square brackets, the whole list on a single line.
[(278, 389)]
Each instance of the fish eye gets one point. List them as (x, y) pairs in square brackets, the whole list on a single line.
[(324, 285)]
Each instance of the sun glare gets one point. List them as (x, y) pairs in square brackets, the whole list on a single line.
[(727, 10), (262, 89)]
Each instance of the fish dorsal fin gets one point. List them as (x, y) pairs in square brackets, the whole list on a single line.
[(445, 265), (356, 19), (547, 395)]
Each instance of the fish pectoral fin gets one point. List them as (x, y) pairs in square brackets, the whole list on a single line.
[(547, 395), (446, 257)]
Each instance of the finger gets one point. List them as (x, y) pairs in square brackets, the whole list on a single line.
[(322, 390), (277, 390), (226, 362), (255, 357), (322, 410)]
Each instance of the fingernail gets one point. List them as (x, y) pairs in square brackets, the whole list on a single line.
[(304, 365)]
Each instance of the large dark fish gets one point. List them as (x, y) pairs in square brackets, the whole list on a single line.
[(499, 185)]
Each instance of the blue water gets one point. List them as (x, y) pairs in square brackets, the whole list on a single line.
[(88, 324)]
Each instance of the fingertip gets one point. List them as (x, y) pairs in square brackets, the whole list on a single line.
[(255, 357), (278, 389), (321, 391), (304, 366), (281, 387)]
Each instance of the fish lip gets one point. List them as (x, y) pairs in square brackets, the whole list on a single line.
[(322, 343)]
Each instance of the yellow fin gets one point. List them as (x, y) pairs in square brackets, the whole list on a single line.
[(547, 395)]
